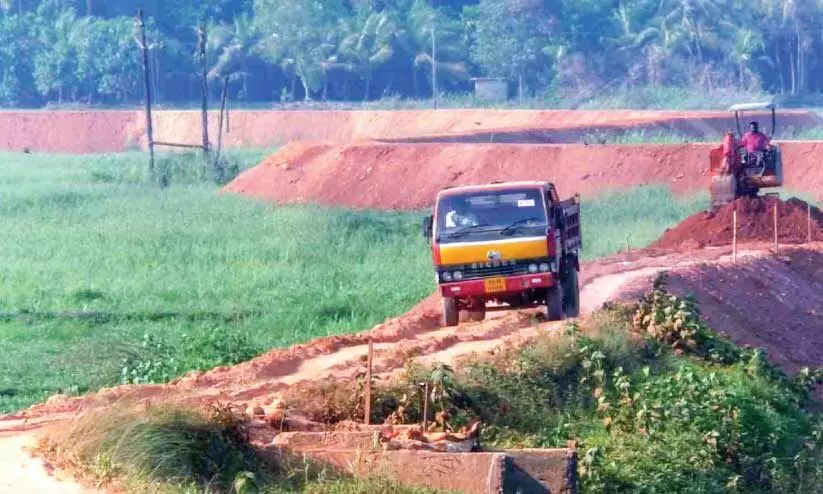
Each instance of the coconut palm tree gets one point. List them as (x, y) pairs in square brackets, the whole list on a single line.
[(425, 23), (234, 45)]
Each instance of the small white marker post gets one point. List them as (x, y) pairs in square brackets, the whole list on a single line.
[(734, 236)]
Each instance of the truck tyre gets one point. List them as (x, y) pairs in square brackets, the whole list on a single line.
[(571, 293), (554, 303), (450, 314)]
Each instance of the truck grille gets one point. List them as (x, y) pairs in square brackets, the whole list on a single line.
[(481, 272)]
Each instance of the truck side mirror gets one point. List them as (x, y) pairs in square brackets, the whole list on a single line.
[(427, 227)]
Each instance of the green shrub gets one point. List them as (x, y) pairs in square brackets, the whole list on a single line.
[(656, 401)]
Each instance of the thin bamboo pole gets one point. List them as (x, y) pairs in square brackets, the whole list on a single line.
[(809, 222), (367, 407), (734, 236), (776, 245)]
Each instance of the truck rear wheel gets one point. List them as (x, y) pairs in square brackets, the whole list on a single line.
[(571, 293), (450, 314), (554, 303)]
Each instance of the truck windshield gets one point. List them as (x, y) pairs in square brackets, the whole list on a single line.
[(493, 215)]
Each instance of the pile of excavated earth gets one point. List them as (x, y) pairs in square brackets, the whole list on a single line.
[(797, 222)]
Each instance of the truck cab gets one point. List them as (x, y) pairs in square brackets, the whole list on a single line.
[(510, 243)]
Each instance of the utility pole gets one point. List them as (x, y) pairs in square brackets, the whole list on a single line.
[(144, 48), (434, 66), (204, 85)]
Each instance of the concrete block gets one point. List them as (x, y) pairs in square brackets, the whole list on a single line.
[(538, 471)]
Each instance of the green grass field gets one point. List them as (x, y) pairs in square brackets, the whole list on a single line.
[(186, 277)]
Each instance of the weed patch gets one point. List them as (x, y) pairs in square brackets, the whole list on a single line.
[(174, 450), (655, 400)]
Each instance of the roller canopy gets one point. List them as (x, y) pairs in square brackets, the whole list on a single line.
[(752, 106)]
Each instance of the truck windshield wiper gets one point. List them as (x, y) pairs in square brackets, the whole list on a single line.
[(465, 230), (519, 223)]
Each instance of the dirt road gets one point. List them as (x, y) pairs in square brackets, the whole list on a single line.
[(791, 287)]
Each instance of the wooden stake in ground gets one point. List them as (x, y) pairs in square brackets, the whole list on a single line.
[(776, 246), (809, 222), (734, 236), (425, 406), (144, 48), (367, 406)]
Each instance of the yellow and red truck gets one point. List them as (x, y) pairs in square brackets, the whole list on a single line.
[(513, 243)]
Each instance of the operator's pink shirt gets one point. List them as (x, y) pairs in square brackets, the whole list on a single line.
[(755, 141)]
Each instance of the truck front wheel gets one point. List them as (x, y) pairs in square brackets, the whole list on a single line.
[(554, 303), (450, 314)]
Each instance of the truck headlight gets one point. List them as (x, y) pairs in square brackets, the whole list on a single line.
[(447, 276), (532, 268), (457, 275), (544, 267)]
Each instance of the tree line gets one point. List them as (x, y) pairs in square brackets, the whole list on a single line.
[(85, 50)]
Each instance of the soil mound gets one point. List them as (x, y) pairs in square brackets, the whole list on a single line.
[(408, 176), (755, 222)]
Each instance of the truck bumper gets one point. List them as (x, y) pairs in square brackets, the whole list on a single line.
[(513, 284)]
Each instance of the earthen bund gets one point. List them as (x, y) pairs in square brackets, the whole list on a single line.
[(104, 131)]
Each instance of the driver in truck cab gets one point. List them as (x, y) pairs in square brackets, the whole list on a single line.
[(459, 214)]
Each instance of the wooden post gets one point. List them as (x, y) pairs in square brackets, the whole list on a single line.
[(426, 407), (776, 246), (734, 236), (434, 67), (204, 89), (217, 167), (228, 124), (367, 406), (144, 48), (809, 222), (628, 247)]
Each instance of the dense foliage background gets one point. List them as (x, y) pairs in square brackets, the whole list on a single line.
[(85, 50)]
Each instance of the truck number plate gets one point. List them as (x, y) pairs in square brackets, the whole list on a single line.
[(495, 285)]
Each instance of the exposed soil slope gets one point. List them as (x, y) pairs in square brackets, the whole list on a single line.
[(369, 175), (109, 131), (767, 302), (755, 221)]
